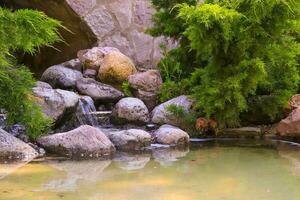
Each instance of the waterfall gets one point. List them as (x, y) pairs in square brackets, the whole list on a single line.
[(85, 110)]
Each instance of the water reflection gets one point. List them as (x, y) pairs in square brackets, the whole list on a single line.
[(210, 171), (127, 161), (167, 156), (75, 173)]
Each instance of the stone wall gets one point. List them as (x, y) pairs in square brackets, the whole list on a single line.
[(121, 24), (117, 23)]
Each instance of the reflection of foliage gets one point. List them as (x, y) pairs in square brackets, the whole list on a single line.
[(126, 89), (25, 31), (230, 52)]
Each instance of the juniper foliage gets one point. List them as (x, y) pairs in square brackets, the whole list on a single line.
[(26, 31), (238, 52)]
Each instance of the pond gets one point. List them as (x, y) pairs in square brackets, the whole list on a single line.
[(210, 170)]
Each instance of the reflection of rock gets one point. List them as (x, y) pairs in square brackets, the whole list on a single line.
[(291, 153), (77, 172), (128, 161), (7, 169), (166, 156)]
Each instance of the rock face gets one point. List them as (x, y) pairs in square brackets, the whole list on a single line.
[(130, 110), (290, 126), (83, 142), (59, 76), (13, 149), (93, 58), (55, 103), (171, 135), (130, 140), (116, 68), (98, 91), (146, 86), (117, 23), (161, 115)]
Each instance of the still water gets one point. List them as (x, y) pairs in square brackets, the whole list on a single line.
[(213, 170)]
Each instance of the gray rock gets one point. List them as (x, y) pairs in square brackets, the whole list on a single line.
[(146, 86), (73, 64), (171, 135), (42, 84), (55, 103), (13, 149), (83, 142), (160, 114), (98, 91), (90, 73), (131, 110), (130, 140), (59, 76)]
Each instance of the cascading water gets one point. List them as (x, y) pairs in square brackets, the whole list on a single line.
[(85, 110)]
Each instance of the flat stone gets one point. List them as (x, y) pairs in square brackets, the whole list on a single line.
[(98, 91), (59, 76)]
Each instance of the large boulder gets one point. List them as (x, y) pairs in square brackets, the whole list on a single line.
[(98, 91), (116, 68), (130, 110), (290, 126), (130, 140), (93, 58), (83, 142), (12, 149), (55, 103), (171, 135), (59, 76), (146, 86), (161, 115)]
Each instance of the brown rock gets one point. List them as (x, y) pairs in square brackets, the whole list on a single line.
[(290, 126), (146, 86), (116, 68), (93, 58)]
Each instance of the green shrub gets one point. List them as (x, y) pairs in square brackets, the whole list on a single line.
[(237, 51), (25, 31)]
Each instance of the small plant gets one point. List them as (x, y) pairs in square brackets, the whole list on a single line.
[(126, 89), (186, 118)]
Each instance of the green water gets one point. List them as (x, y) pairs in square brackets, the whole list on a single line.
[(216, 170)]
